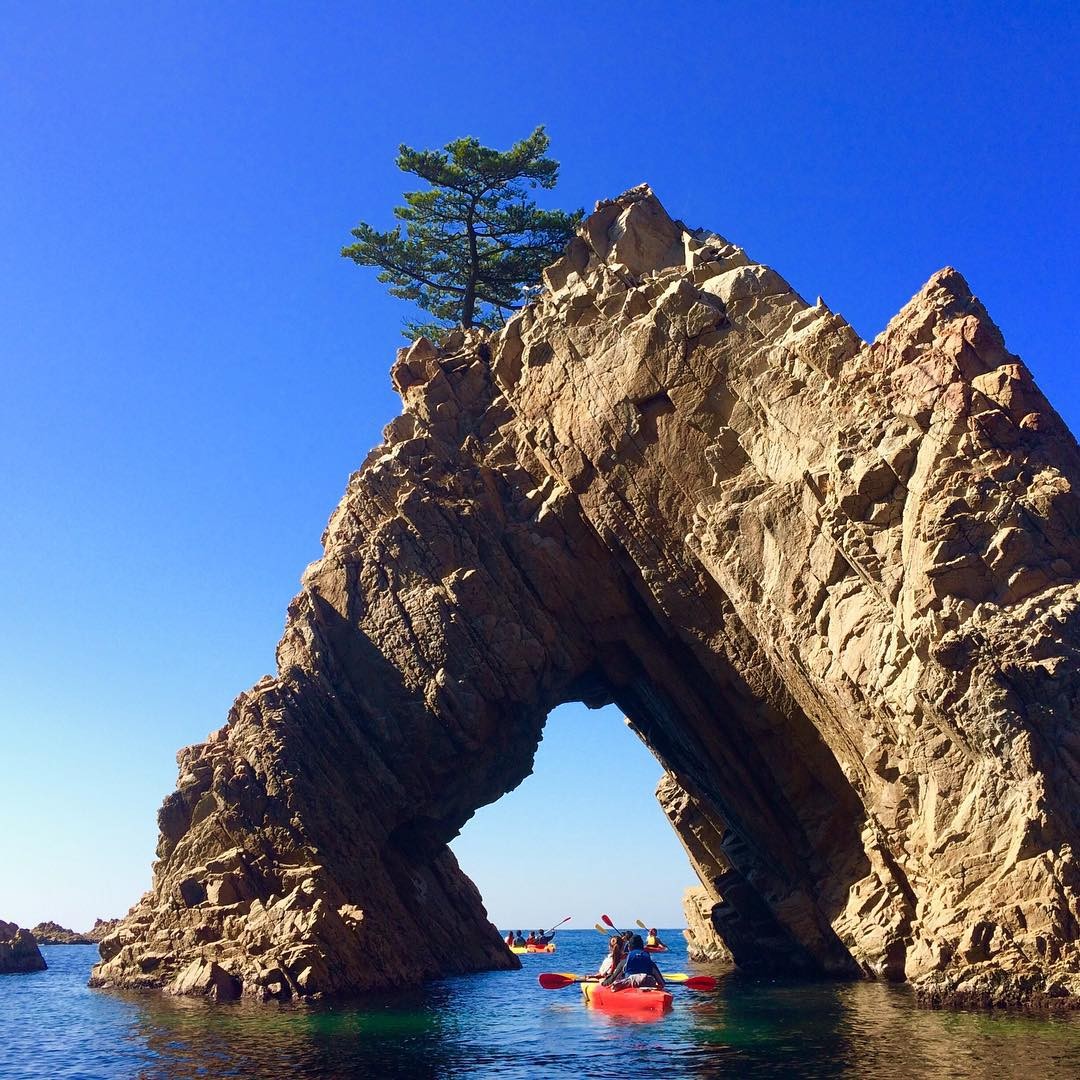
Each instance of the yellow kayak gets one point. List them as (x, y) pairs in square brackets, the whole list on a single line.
[(519, 949)]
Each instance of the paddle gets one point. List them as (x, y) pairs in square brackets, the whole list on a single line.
[(553, 980), (607, 921), (601, 929), (556, 926), (669, 976)]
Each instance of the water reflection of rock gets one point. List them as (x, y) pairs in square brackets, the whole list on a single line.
[(391, 1035), (769, 1027)]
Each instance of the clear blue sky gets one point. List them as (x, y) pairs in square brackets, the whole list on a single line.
[(190, 372)]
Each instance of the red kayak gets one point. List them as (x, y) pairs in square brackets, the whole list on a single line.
[(645, 999), (656, 948)]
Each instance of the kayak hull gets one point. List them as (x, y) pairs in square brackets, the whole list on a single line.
[(632, 1000), (518, 950), (656, 948)]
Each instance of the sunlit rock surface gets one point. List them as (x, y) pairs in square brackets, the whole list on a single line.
[(833, 586), (52, 933), (19, 952), (703, 943)]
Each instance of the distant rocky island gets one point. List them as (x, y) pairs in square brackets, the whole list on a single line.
[(834, 586), (19, 952), (51, 933)]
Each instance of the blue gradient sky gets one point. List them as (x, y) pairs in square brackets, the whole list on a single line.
[(190, 372)]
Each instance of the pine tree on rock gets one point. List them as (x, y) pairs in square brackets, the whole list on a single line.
[(468, 245)]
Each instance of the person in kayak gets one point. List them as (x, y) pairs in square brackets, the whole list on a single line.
[(637, 968), (653, 941), (544, 939), (519, 941), (531, 939), (616, 951)]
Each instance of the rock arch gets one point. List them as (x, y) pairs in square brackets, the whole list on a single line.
[(833, 586)]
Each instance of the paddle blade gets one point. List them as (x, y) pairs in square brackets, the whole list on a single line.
[(701, 982), (601, 929), (558, 924), (641, 924), (552, 980), (607, 922)]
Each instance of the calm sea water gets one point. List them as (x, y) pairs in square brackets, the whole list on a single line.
[(503, 1024)]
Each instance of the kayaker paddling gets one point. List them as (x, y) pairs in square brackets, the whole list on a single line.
[(616, 951), (653, 942), (637, 969), (538, 941)]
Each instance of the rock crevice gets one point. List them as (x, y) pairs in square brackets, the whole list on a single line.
[(832, 585)]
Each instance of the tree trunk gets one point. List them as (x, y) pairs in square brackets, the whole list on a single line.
[(468, 301)]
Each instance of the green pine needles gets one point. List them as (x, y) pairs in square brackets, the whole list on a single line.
[(469, 245)]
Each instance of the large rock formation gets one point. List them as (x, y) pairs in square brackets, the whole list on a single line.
[(832, 585), (19, 952), (52, 933)]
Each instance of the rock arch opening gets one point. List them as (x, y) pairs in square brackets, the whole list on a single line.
[(582, 835)]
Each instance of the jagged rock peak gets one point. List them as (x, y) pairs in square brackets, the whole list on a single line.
[(832, 585), (52, 933)]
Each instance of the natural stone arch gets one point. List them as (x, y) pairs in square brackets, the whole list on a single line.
[(832, 585)]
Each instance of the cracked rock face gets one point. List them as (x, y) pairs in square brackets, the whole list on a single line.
[(832, 585)]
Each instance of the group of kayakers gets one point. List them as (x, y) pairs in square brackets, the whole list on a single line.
[(536, 938), (629, 961)]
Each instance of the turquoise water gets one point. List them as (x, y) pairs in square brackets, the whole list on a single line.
[(503, 1024)]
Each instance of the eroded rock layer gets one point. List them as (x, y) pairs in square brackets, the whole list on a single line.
[(832, 585)]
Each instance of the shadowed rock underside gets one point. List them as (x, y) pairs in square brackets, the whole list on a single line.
[(833, 586)]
